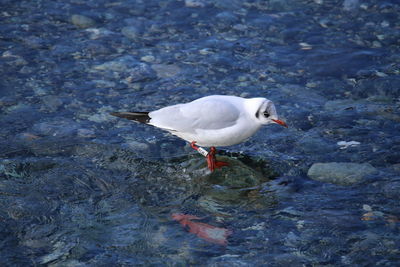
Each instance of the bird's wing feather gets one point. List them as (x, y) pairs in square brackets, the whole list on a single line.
[(205, 114)]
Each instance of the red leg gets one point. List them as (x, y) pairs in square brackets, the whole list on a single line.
[(193, 145), (211, 159), (212, 162)]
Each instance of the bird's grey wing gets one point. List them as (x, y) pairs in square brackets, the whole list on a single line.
[(211, 114)]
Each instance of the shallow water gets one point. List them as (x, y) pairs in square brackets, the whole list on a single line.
[(79, 187)]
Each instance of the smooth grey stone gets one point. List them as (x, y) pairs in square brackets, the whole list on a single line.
[(341, 173), (82, 21)]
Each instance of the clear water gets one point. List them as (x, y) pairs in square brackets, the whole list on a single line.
[(81, 188)]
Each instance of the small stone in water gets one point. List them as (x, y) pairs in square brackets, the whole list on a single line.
[(350, 5), (305, 46), (376, 44), (311, 84), (52, 102), (194, 3), (367, 207), (166, 71), (130, 32), (100, 117), (148, 58), (82, 21), (381, 74), (344, 144), (341, 173), (86, 133), (240, 27), (205, 51)]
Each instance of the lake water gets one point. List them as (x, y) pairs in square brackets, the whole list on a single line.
[(79, 187)]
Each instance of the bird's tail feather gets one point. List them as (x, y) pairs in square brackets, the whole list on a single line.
[(142, 117)]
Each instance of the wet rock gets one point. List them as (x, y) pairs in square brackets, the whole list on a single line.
[(292, 240), (166, 70), (345, 144), (194, 3), (148, 58), (340, 173), (351, 5), (237, 175), (128, 66), (51, 102), (35, 42), (99, 117), (82, 21), (136, 146), (58, 127), (94, 48), (86, 133), (97, 33), (240, 27), (104, 84), (130, 32), (141, 72), (26, 70)]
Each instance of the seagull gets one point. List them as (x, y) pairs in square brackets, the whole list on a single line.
[(211, 121)]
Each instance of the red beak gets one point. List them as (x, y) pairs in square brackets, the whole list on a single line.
[(280, 122)]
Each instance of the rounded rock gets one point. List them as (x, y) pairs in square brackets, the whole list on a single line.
[(82, 21), (340, 173), (130, 32)]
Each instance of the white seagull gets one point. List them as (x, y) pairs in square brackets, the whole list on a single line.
[(216, 120)]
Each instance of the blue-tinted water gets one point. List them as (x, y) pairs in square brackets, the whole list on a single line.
[(79, 187)]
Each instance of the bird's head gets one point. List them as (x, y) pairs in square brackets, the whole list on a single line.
[(264, 111)]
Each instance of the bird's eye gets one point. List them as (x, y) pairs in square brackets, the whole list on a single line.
[(266, 114)]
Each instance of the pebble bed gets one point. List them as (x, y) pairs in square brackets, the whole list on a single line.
[(79, 187)]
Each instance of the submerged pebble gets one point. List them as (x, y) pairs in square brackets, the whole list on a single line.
[(166, 71), (341, 173), (82, 21), (130, 32)]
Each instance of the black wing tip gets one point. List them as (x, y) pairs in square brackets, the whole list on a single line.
[(142, 117)]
